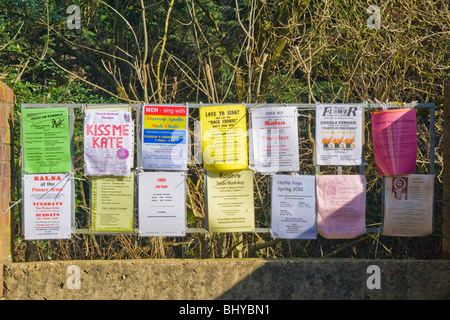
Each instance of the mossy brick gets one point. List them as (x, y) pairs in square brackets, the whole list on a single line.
[(5, 185), (5, 137), (5, 199), (5, 151), (5, 218), (1, 280), (5, 114), (5, 169), (4, 241), (6, 94)]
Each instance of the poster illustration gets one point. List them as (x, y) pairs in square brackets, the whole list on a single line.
[(164, 137), (230, 201), (162, 204), (46, 140), (48, 203), (339, 134), (341, 206), (224, 137), (112, 204), (294, 207), (408, 205), (394, 133), (275, 139), (108, 142)]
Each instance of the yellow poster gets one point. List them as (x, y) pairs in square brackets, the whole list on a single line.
[(224, 137), (230, 201), (112, 203)]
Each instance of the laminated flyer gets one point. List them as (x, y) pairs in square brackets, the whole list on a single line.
[(224, 137), (339, 134), (48, 203), (275, 139), (164, 137), (108, 142), (162, 204), (408, 205), (230, 201), (112, 204), (341, 206), (394, 134), (293, 207), (46, 140)]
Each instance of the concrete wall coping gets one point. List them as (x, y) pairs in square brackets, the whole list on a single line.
[(228, 279)]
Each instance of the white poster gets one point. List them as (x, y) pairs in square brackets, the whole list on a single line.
[(48, 201), (164, 137), (339, 134), (408, 205), (162, 204), (108, 142), (275, 139), (294, 207)]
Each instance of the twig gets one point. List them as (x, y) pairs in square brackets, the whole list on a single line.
[(163, 46)]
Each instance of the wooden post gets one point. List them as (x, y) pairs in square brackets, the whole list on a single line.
[(446, 176)]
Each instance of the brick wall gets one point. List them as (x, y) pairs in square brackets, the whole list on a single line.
[(6, 113)]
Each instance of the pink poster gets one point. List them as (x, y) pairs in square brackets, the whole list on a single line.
[(341, 206), (394, 134), (108, 142)]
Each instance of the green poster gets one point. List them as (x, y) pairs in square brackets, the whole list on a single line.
[(46, 140), (112, 203)]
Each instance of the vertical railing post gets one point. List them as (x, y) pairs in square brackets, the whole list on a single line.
[(446, 175)]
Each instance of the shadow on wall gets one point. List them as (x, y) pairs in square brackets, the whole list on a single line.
[(344, 279)]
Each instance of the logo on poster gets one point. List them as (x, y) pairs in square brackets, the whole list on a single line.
[(344, 111), (400, 188), (122, 153)]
